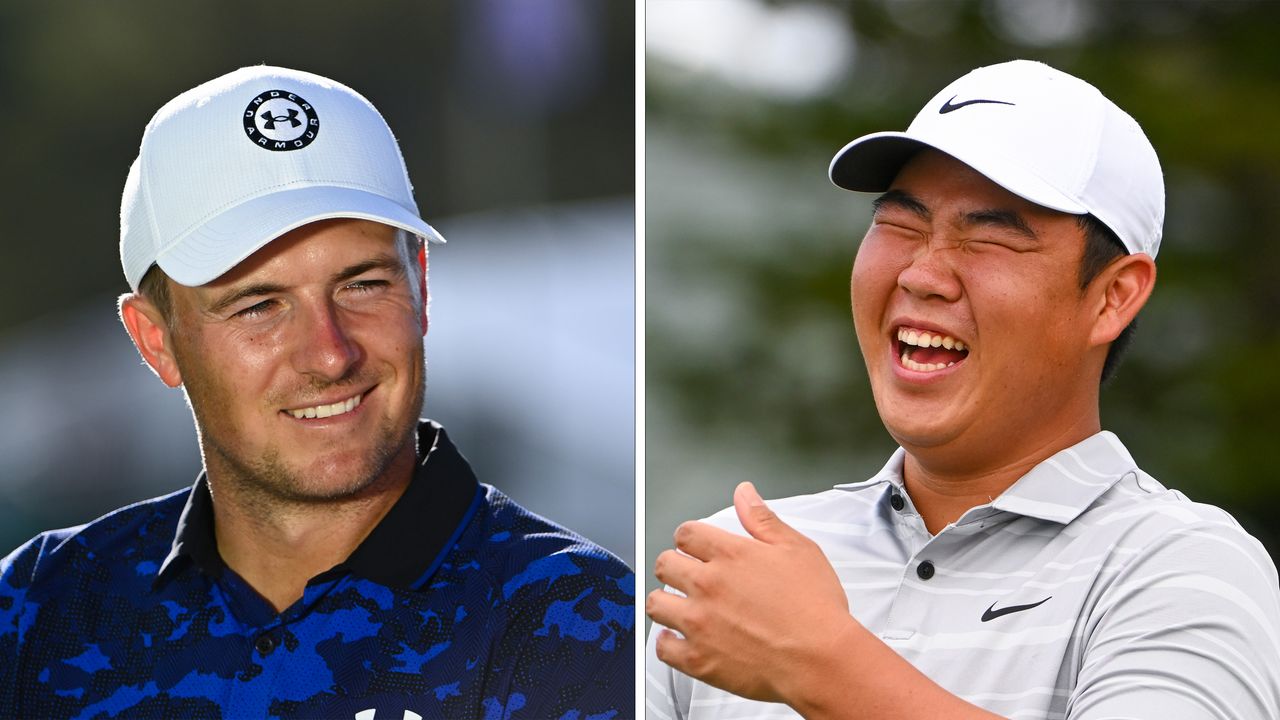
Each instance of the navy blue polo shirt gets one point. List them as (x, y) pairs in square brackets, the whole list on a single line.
[(459, 604)]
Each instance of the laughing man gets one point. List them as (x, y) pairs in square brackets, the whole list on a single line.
[(1011, 559)]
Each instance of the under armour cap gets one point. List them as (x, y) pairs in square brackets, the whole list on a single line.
[(230, 165), (1039, 133)]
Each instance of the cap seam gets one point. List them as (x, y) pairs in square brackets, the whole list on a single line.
[(1098, 128), (144, 183)]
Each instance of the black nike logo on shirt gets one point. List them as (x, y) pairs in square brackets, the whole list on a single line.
[(948, 106), (992, 613)]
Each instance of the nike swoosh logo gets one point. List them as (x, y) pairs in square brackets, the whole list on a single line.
[(992, 613), (948, 106)]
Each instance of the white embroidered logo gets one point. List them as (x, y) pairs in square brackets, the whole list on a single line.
[(372, 712)]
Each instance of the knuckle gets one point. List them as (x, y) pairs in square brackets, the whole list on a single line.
[(701, 584), (651, 601), (683, 534), (695, 622), (662, 565), (663, 647), (697, 662)]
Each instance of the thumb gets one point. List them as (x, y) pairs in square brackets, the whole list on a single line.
[(756, 517)]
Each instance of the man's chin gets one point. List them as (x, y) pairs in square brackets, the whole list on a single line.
[(918, 435), (327, 475), (350, 474)]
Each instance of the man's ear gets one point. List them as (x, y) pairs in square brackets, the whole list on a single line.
[(151, 336), (426, 299), (1122, 289)]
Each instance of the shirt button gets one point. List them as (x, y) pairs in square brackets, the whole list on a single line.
[(264, 644), (925, 570), (896, 501)]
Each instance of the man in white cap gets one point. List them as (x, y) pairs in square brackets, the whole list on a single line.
[(1011, 559), (337, 557)]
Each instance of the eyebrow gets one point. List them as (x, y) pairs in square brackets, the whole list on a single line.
[(1004, 219), (384, 262), (904, 200), (247, 291), (990, 217)]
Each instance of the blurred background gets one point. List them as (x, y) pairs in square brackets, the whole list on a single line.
[(517, 125), (753, 370)]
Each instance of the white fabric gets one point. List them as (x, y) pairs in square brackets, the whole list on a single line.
[(1158, 607), (1043, 135), (208, 189)]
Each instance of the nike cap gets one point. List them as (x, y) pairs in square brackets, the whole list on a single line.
[(1041, 134), (230, 165)]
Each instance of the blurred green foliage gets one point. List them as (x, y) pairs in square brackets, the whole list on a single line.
[(753, 370)]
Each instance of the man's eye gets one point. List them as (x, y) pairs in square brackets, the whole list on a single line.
[(991, 244), (255, 311), (897, 228), (364, 286)]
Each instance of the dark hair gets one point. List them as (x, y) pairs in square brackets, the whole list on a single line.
[(1101, 247), (154, 286)]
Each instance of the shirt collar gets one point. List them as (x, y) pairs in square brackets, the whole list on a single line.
[(1065, 485), (1059, 489), (401, 551)]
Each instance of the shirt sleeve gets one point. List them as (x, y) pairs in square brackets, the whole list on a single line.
[(16, 572), (573, 647), (1189, 628)]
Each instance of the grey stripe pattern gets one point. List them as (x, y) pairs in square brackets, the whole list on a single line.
[(1147, 605)]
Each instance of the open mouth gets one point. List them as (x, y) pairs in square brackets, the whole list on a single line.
[(340, 407), (928, 351)]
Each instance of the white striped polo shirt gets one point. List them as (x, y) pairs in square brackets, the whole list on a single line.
[(1086, 590)]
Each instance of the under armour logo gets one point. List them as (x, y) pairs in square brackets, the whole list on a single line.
[(281, 120), (269, 121), (371, 712)]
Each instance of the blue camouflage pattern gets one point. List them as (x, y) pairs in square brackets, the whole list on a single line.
[(521, 618)]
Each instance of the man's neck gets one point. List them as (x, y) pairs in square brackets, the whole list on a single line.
[(943, 490), (277, 546)]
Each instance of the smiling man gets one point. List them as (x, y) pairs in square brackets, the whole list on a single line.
[(1011, 559), (337, 557)]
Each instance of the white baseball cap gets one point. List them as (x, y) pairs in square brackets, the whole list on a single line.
[(230, 165), (1041, 134)]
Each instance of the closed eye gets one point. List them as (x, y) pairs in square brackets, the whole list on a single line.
[(255, 311)]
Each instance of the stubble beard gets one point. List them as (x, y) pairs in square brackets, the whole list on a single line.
[(269, 481)]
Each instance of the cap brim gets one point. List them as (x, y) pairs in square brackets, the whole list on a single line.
[(233, 235), (870, 163)]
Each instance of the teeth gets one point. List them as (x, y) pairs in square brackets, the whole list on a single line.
[(919, 338), (910, 364), (924, 339), (324, 411)]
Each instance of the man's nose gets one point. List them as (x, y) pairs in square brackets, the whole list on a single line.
[(325, 347), (930, 273)]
